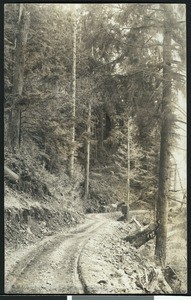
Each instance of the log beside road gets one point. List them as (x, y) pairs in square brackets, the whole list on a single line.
[(11, 175), (141, 237)]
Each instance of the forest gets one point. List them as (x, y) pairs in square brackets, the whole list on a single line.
[(95, 123)]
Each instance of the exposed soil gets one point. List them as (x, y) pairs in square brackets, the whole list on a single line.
[(91, 258), (28, 221), (50, 266)]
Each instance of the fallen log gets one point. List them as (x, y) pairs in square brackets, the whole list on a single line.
[(139, 238), (11, 175)]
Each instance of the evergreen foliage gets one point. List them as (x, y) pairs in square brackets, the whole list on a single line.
[(119, 70)]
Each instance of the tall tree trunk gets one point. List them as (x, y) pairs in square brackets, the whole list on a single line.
[(128, 169), (100, 134), (20, 128), (175, 171), (88, 141), (164, 164), (72, 156), (96, 141), (18, 78)]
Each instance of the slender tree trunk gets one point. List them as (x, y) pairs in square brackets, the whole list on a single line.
[(175, 171), (73, 98), (88, 151), (20, 128), (100, 134), (96, 140), (18, 78), (128, 169), (88, 142), (164, 165)]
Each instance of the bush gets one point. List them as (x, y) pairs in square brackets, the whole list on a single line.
[(30, 172)]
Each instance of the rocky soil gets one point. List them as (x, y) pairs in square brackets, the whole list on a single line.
[(93, 258), (119, 268)]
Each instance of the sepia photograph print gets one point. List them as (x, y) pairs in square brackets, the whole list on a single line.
[(95, 194)]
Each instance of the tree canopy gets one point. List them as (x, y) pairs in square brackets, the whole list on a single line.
[(130, 64)]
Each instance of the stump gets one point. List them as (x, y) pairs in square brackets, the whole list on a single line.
[(124, 211)]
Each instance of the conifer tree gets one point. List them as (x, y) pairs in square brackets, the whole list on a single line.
[(14, 123), (72, 157)]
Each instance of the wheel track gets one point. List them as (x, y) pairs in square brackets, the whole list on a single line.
[(78, 269), (33, 257)]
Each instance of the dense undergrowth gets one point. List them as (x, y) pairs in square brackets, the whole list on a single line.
[(45, 200), (41, 202)]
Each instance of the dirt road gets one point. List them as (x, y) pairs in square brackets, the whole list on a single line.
[(53, 266), (90, 259)]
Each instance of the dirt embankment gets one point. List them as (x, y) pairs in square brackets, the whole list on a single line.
[(50, 266), (28, 221), (120, 268), (93, 258)]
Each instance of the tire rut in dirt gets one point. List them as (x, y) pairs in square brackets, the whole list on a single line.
[(55, 270)]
